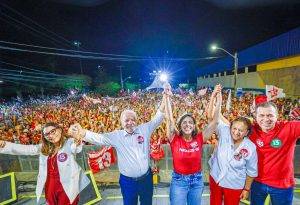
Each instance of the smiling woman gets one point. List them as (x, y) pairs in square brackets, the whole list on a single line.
[(56, 164), (186, 145), (233, 165)]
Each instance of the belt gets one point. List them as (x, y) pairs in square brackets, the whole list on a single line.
[(137, 178), (187, 175)]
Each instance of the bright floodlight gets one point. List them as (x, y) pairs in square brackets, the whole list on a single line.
[(214, 47), (163, 77)]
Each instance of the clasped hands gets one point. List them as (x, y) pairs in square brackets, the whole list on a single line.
[(77, 132)]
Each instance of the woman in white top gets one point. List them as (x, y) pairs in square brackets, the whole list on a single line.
[(59, 174), (234, 162)]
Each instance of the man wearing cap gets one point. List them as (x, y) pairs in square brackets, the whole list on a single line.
[(133, 146), (275, 142)]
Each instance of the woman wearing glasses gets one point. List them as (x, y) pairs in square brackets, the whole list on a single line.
[(59, 174)]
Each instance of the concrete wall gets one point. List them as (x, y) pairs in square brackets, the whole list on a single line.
[(244, 80), (283, 73)]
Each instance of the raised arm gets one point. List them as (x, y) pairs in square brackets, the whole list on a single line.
[(211, 105), (157, 119), (79, 134), (18, 149), (170, 123), (212, 125)]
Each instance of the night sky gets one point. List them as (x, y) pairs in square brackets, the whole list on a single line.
[(167, 29)]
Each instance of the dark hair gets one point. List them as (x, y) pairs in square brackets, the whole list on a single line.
[(245, 121), (48, 148), (195, 131)]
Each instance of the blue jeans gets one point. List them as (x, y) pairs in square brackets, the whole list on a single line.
[(132, 188), (186, 189), (278, 196)]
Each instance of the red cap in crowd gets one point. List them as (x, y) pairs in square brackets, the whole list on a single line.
[(260, 99)]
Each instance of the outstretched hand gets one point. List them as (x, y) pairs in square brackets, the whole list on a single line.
[(167, 89), (76, 131), (217, 89), (2, 144)]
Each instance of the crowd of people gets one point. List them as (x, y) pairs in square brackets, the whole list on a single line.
[(131, 123), (21, 122)]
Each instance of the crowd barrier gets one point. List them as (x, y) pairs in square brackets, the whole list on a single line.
[(10, 163)]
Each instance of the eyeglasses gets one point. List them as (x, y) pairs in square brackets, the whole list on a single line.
[(51, 132)]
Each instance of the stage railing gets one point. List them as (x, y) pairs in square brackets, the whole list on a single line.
[(11, 163)]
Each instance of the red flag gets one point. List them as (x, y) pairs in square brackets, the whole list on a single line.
[(134, 96), (101, 159), (295, 114)]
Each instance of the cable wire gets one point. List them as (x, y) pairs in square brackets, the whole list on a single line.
[(45, 35), (29, 19), (98, 57)]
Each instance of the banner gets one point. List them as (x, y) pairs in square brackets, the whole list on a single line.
[(273, 92), (101, 159), (295, 114)]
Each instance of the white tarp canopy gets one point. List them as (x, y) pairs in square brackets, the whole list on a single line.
[(157, 83)]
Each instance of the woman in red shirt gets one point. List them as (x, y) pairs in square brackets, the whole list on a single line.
[(186, 145)]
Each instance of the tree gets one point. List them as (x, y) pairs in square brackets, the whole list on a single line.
[(109, 88)]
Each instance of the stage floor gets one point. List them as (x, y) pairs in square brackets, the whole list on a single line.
[(112, 196)]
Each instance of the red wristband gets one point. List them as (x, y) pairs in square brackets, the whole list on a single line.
[(246, 189)]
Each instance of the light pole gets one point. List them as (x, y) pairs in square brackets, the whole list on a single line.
[(123, 81), (77, 44), (235, 57), (121, 76)]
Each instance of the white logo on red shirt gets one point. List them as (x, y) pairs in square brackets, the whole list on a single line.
[(194, 145), (189, 150), (259, 143)]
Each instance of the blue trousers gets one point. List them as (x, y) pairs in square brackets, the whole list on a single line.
[(278, 196), (141, 187), (186, 189)]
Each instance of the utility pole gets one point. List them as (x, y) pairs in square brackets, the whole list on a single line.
[(235, 72), (121, 76), (77, 44), (236, 61)]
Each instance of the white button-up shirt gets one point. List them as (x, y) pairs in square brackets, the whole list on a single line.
[(132, 149), (229, 166)]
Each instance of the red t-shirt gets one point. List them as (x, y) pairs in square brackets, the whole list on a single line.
[(275, 151), (187, 155)]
